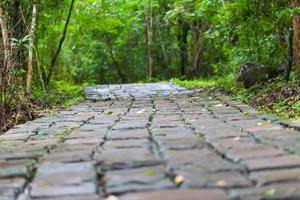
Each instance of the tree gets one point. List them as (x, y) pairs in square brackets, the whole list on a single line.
[(296, 34), (149, 36), (63, 37), (5, 38), (183, 31), (31, 48)]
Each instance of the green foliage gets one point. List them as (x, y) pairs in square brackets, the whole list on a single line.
[(271, 97), (225, 83), (106, 43), (59, 95)]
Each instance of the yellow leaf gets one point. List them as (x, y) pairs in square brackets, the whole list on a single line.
[(237, 138), (219, 105), (141, 112), (290, 129), (178, 180), (221, 183), (112, 197), (270, 192), (263, 123)]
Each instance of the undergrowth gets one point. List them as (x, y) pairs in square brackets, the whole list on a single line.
[(59, 95), (274, 96)]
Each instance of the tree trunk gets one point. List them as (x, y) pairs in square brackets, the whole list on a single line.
[(6, 62), (296, 35), (5, 38), (197, 56), (183, 46), (121, 76), (290, 56), (149, 33), (56, 54), (31, 48), (161, 42)]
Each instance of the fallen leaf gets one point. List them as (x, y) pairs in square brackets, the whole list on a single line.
[(219, 105), (103, 180), (270, 192), (178, 180), (263, 123), (150, 172), (141, 112), (112, 197), (221, 183)]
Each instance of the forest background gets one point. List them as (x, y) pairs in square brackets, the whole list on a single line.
[(51, 49)]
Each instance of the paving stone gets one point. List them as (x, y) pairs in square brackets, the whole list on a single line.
[(225, 144), (128, 134), (62, 179), (18, 154), (13, 183), (127, 143), (184, 194), (80, 141), (138, 179), (71, 156), (171, 131), (284, 161), (85, 188), (271, 192), (276, 176), (202, 158), (253, 152), (15, 137), (127, 158), (198, 177), (86, 197), (15, 168), (7, 194), (187, 141), (87, 134), (130, 126)]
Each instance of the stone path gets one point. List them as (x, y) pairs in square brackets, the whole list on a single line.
[(148, 142)]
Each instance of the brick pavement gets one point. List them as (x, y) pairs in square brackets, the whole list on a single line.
[(148, 142)]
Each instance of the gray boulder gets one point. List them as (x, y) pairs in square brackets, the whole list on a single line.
[(250, 73)]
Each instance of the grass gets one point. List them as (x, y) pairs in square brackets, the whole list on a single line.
[(275, 96)]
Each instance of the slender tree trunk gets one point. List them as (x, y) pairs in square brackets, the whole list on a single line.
[(56, 54), (31, 49), (183, 46), (197, 56), (161, 42), (290, 56), (5, 38), (296, 35), (149, 33), (6, 62), (116, 65)]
